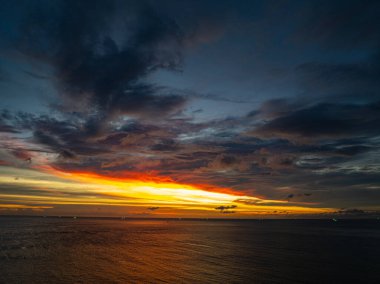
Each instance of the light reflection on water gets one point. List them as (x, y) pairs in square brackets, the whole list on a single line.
[(52, 250)]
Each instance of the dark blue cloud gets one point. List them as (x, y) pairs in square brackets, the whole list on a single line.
[(100, 63), (324, 120)]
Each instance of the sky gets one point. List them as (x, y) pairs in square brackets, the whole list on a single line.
[(209, 109)]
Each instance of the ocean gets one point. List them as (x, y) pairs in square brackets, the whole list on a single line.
[(67, 250)]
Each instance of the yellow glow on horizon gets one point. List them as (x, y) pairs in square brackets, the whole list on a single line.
[(21, 206), (55, 187)]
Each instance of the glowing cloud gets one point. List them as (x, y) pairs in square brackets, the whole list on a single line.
[(44, 190)]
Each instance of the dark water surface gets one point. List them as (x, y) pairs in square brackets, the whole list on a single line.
[(60, 250)]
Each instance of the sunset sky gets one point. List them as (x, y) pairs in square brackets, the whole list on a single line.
[(211, 109)]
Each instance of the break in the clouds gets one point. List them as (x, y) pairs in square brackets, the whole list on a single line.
[(277, 102)]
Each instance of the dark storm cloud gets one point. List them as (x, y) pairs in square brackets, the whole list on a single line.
[(165, 145), (274, 108), (353, 150), (357, 82), (5, 124), (324, 121), (64, 137), (101, 51), (52, 143), (340, 24), (7, 128), (100, 54)]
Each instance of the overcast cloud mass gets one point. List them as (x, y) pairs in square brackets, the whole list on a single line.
[(274, 100)]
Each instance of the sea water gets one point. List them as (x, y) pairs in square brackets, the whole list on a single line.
[(68, 250)]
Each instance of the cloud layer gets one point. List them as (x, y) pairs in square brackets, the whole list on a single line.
[(307, 133)]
